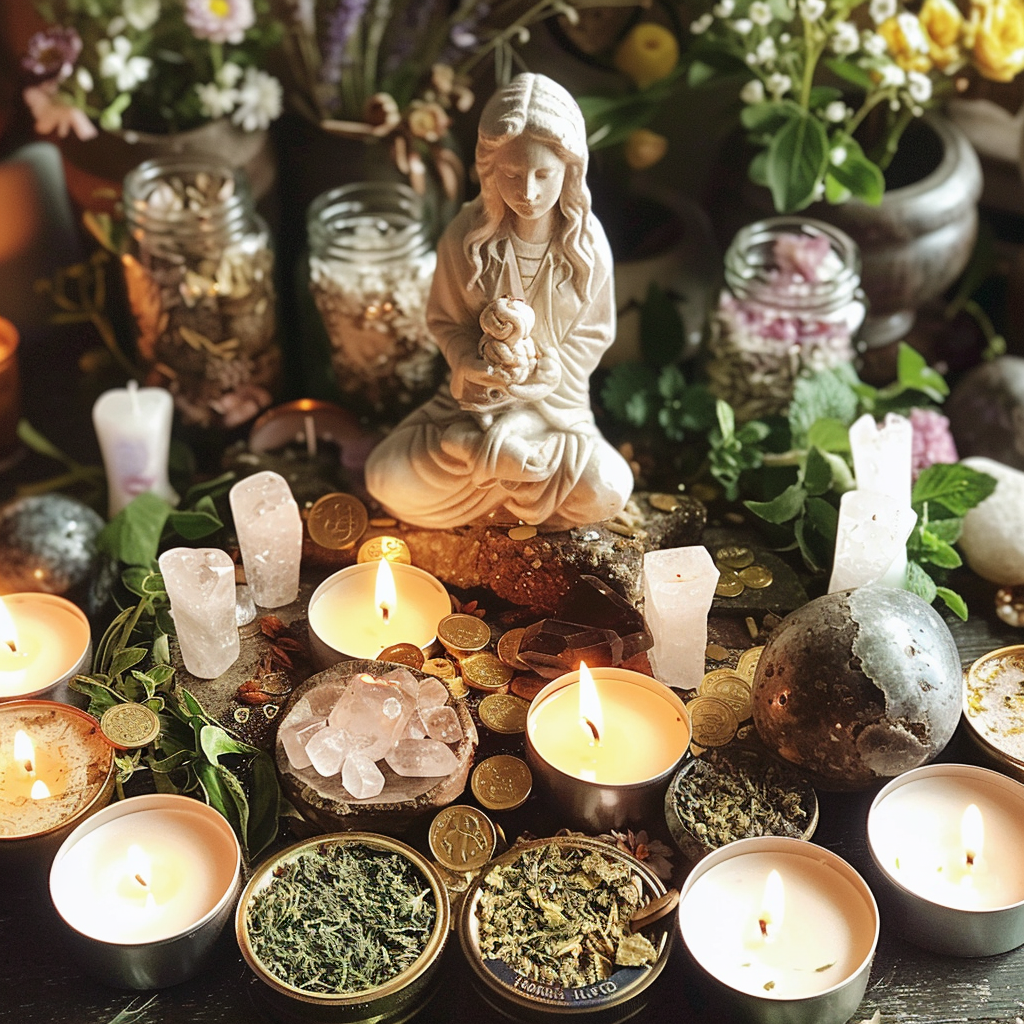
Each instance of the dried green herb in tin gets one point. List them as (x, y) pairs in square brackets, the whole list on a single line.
[(560, 915), (341, 917)]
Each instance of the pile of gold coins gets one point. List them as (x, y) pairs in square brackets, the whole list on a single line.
[(723, 702), (738, 570)]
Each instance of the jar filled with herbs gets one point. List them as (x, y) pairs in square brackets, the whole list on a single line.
[(198, 267), (371, 262), (791, 306)]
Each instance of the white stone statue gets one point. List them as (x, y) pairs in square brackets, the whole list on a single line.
[(522, 306)]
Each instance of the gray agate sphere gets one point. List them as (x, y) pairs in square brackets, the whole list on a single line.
[(859, 686)]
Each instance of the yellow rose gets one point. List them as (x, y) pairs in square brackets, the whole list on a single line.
[(942, 23), (998, 38), (644, 148), (906, 42), (648, 54)]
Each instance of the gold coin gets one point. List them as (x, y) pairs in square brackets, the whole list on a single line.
[(337, 521), (461, 632), (734, 556), (130, 726), (716, 652), (508, 647), (440, 667), (714, 722), (663, 502), (462, 838), (757, 577), (483, 671), (502, 782), (726, 685), (522, 532), (729, 585), (402, 654), (394, 549), (504, 713), (747, 664), (528, 687)]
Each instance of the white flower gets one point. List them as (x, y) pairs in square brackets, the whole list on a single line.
[(892, 74), (742, 25), (779, 84), (819, 192), (760, 13), (845, 38), (753, 91), (117, 62), (116, 26), (919, 86), (912, 32), (215, 101), (785, 38), (838, 156), (141, 14), (229, 75), (702, 24), (812, 10), (724, 8), (259, 100), (874, 44), (84, 79), (766, 50), (835, 111), (882, 10)]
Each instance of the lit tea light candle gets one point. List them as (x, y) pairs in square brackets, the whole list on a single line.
[(360, 610), (146, 886), (947, 839), (780, 929), (55, 769), (45, 641), (605, 743)]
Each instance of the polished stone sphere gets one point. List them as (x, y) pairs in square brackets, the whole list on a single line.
[(858, 686)]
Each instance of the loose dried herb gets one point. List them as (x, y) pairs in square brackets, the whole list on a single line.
[(560, 915), (341, 917)]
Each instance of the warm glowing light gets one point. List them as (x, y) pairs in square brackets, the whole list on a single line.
[(40, 790), (385, 595), (972, 833), (138, 864), (591, 719), (8, 631), (773, 906), (24, 751)]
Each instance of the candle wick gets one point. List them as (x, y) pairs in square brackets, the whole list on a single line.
[(385, 612), (30, 767), (970, 858), (593, 728), (12, 646), (764, 927), (141, 881)]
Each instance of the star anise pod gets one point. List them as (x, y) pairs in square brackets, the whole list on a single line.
[(653, 852), (468, 608)]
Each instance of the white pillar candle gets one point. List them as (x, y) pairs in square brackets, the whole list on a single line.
[(807, 936), (882, 456), (269, 531), (133, 426), (871, 541), (200, 583), (679, 586)]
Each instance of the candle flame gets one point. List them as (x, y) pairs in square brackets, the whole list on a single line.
[(385, 595), (591, 718), (25, 751), (773, 906), (40, 790), (8, 631), (139, 867), (972, 833)]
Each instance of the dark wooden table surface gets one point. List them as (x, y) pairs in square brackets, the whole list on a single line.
[(40, 983)]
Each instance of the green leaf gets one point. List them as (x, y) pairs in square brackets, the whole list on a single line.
[(835, 193), (100, 696), (920, 583), (209, 488), (858, 174), (172, 762), (196, 524), (852, 73), (954, 602), (661, 328), (825, 519), (947, 530), (125, 657), (914, 373), (133, 535), (726, 419), (264, 804), (768, 116), (758, 169), (829, 435), (943, 555), (625, 382), (797, 158), (822, 95), (824, 395), (31, 437), (133, 579), (216, 742), (781, 509), (221, 795), (954, 486), (817, 475)]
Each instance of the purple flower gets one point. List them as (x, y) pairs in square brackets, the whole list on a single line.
[(342, 27), (931, 441), (51, 54)]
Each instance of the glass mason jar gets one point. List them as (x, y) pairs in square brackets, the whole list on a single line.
[(199, 273), (791, 306), (371, 262)]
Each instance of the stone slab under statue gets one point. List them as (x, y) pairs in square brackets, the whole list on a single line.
[(522, 307)]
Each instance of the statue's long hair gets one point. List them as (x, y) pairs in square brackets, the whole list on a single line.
[(538, 107)]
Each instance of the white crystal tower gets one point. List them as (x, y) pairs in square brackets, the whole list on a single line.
[(269, 531), (200, 583), (679, 586), (871, 541)]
